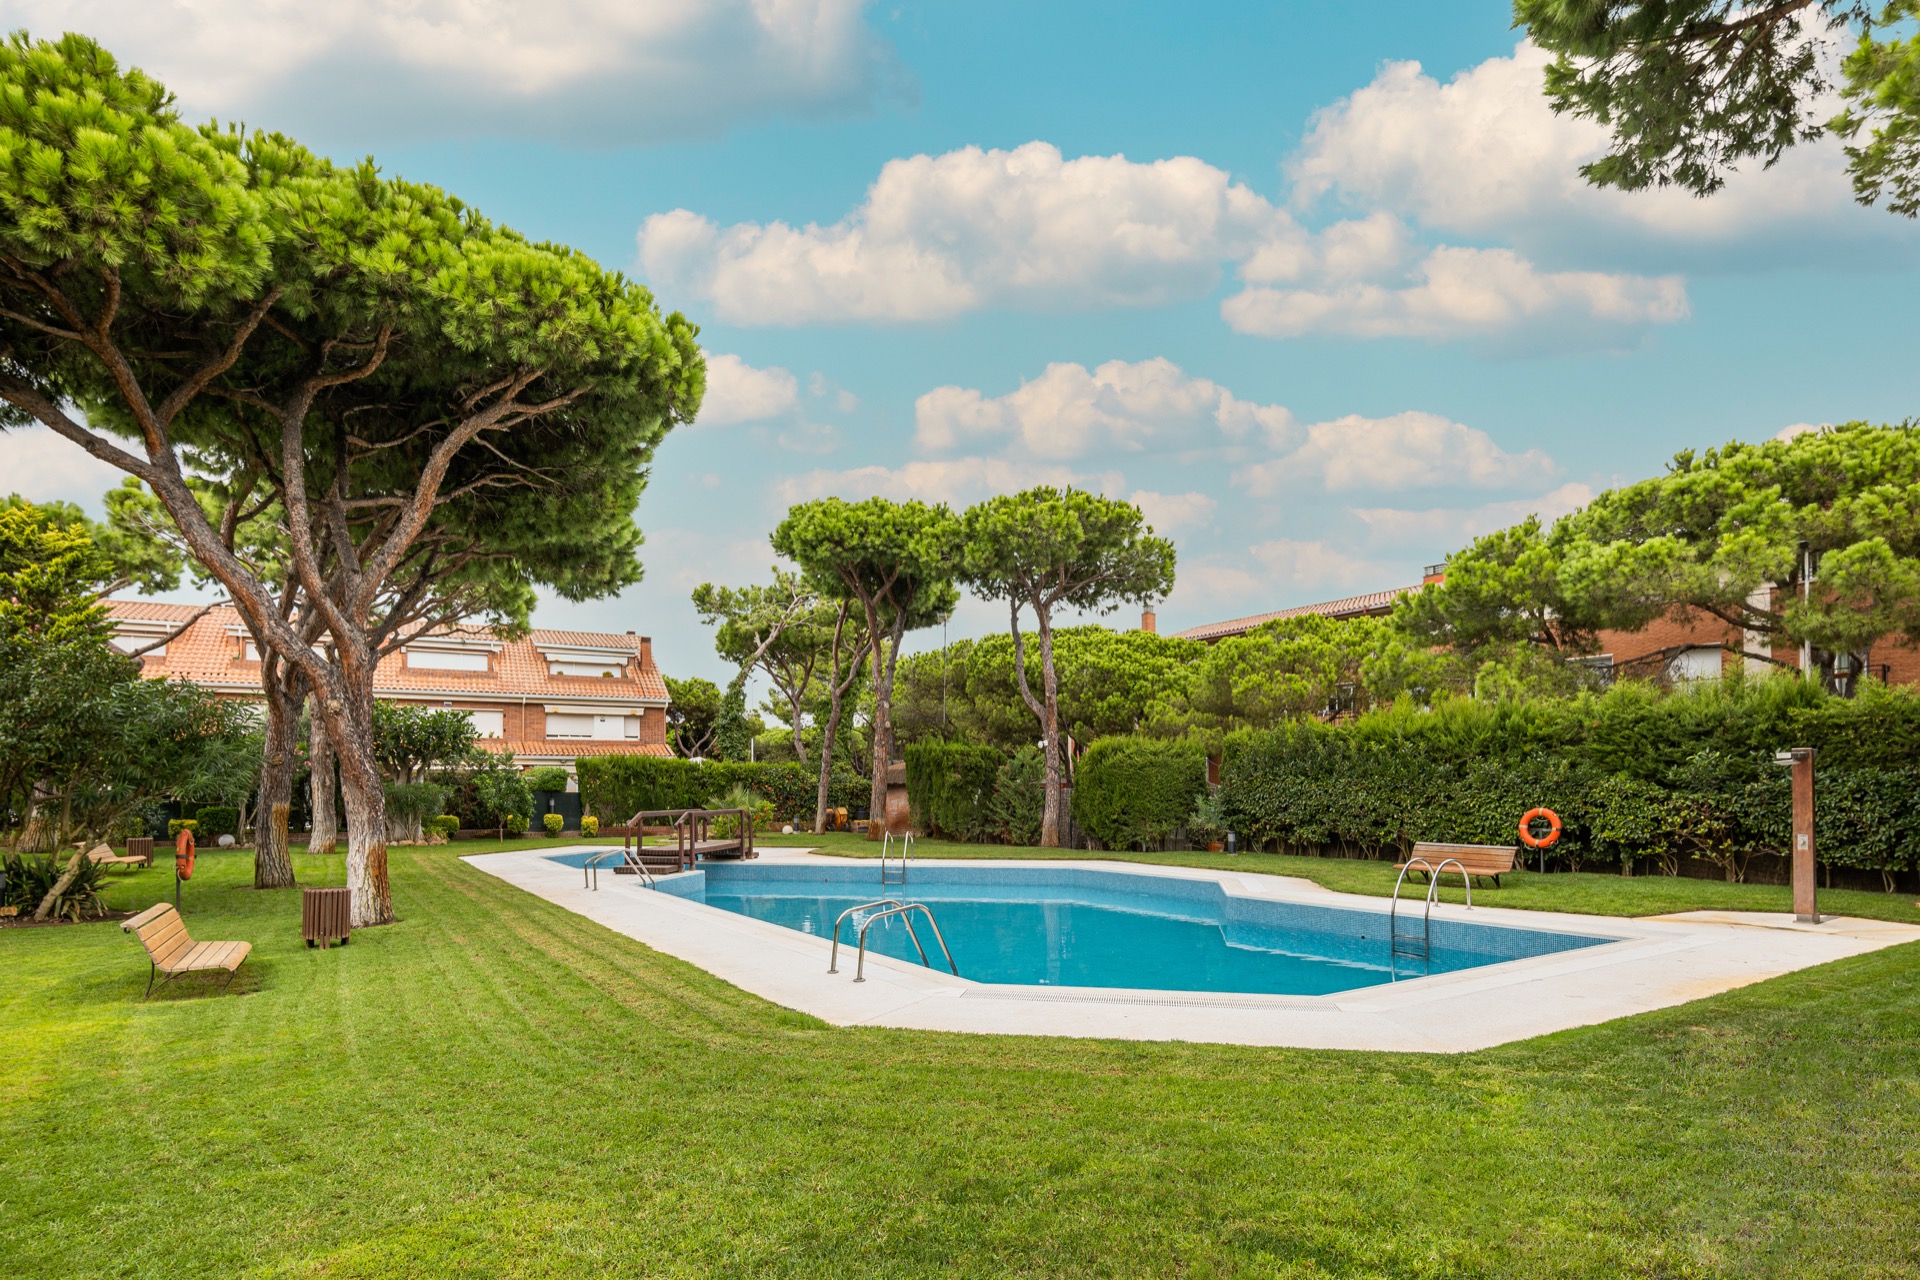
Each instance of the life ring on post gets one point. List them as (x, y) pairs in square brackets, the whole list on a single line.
[(1553, 829), (183, 855)]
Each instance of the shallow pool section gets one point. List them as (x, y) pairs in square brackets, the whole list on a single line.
[(1072, 927)]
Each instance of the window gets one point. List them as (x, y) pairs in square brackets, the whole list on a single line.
[(633, 726), (569, 726), (249, 651), (606, 669), (1695, 664), (489, 724), (445, 660), (129, 643)]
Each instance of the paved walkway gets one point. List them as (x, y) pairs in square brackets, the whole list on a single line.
[(1657, 962)]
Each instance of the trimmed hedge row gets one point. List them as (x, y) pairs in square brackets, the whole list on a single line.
[(1134, 793), (960, 791), (614, 788)]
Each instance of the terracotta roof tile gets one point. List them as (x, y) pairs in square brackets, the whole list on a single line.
[(569, 748), (1350, 607)]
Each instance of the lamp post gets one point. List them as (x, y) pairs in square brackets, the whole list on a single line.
[(1806, 908)]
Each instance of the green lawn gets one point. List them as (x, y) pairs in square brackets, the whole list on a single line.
[(495, 1087), (1601, 895)]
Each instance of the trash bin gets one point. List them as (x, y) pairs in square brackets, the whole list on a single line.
[(326, 915)]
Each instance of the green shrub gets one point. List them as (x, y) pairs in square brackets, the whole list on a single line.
[(950, 788), (549, 778), (514, 824), (554, 823), (589, 826), (446, 826), (1018, 806), (759, 811), (29, 878), (497, 793), (414, 801), (1134, 793), (614, 788), (176, 825), (216, 820)]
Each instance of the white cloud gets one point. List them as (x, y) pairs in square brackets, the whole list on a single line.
[(1800, 429), (43, 467), (940, 235), (582, 70), (1279, 569), (738, 392), (1443, 529), (1484, 154), (1069, 411), (1457, 292), (1168, 511), (1405, 451), (956, 481)]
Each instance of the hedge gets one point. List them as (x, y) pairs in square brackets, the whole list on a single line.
[(614, 788), (950, 788), (217, 820), (1135, 793), (1632, 773)]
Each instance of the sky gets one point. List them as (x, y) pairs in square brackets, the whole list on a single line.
[(1317, 285)]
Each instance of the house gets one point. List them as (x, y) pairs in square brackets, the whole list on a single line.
[(1684, 645), (549, 698)]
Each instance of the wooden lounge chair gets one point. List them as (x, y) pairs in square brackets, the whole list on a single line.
[(103, 856), (164, 934), (1487, 860)]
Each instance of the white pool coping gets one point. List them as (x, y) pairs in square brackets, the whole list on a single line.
[(1656, 963)]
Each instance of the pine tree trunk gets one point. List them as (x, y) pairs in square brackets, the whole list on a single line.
[(272, 861), (1050, 731), (324, 831), (883, 667), (826, 763), (42, 831), (364, 792)]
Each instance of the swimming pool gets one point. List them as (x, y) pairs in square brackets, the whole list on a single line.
[(1074, 927)]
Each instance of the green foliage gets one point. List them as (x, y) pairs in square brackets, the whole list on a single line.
[(553, 822), (409, 802), (411, 742), (1632, 773), (176, 825), (614, 788), (1692, 88), (693, 708), (548, 778), (740, 795), (1134, 793), (950, 787), (589, 826), (30, 878), (733, 729), (217, 820), (1019, 797), (446, 826), (514, 824), (498, 793)]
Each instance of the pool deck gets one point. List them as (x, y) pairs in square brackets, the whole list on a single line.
[(1657, 962)]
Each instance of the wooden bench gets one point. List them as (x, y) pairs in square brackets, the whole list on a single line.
[(103, 856), (164, 934), (1490, 861)]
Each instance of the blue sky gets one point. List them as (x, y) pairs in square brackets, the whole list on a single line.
[(1324, 312)]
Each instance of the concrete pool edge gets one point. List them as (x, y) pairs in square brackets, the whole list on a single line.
[(1654, 964)]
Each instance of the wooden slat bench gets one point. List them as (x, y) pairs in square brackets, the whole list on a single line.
[(1486, 860), (173, 953), (104, 856)]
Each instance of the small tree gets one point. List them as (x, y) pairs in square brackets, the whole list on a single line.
[(693, 709), (779, 629), (895, 561), (1047, 549)]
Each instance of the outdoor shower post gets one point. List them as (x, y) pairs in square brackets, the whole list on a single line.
[(1806, 907)]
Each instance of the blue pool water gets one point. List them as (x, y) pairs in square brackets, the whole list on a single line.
[(1079, 928)]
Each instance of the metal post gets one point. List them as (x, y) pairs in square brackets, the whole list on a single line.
[(1806, 908)]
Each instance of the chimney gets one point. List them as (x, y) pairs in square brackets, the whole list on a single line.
[(646, 652), (1147, 620), (1434, 573)]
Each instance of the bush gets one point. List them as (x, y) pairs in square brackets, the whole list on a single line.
[(549, 778), (176, 825), (29, 879), (446, 826), (759, 811), (614, 788), (554, 823), (497, 793), (217, 820), (514, 824), (1018, 806), (1134, 793), (950, 788), (589, 826)]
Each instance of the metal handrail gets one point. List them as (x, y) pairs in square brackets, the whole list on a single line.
[(833, 960), (860, 969), (596, 860), (1433, 882), (1426, 915), (886, 847)]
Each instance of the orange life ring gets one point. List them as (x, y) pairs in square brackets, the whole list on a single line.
[(1553, 829), (183, 855)]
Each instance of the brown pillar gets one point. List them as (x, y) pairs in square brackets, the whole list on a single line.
[(1805, 907)]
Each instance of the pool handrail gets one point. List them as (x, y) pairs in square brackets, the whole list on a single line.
[(594, 861), (833, 960), (1426, 915), (860, 970)]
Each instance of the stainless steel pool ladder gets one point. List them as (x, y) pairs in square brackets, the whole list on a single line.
[(591, 867), (894, 907), (886, 852), (1418, 946)]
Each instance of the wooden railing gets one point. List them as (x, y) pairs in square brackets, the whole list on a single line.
[(693, 833)]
